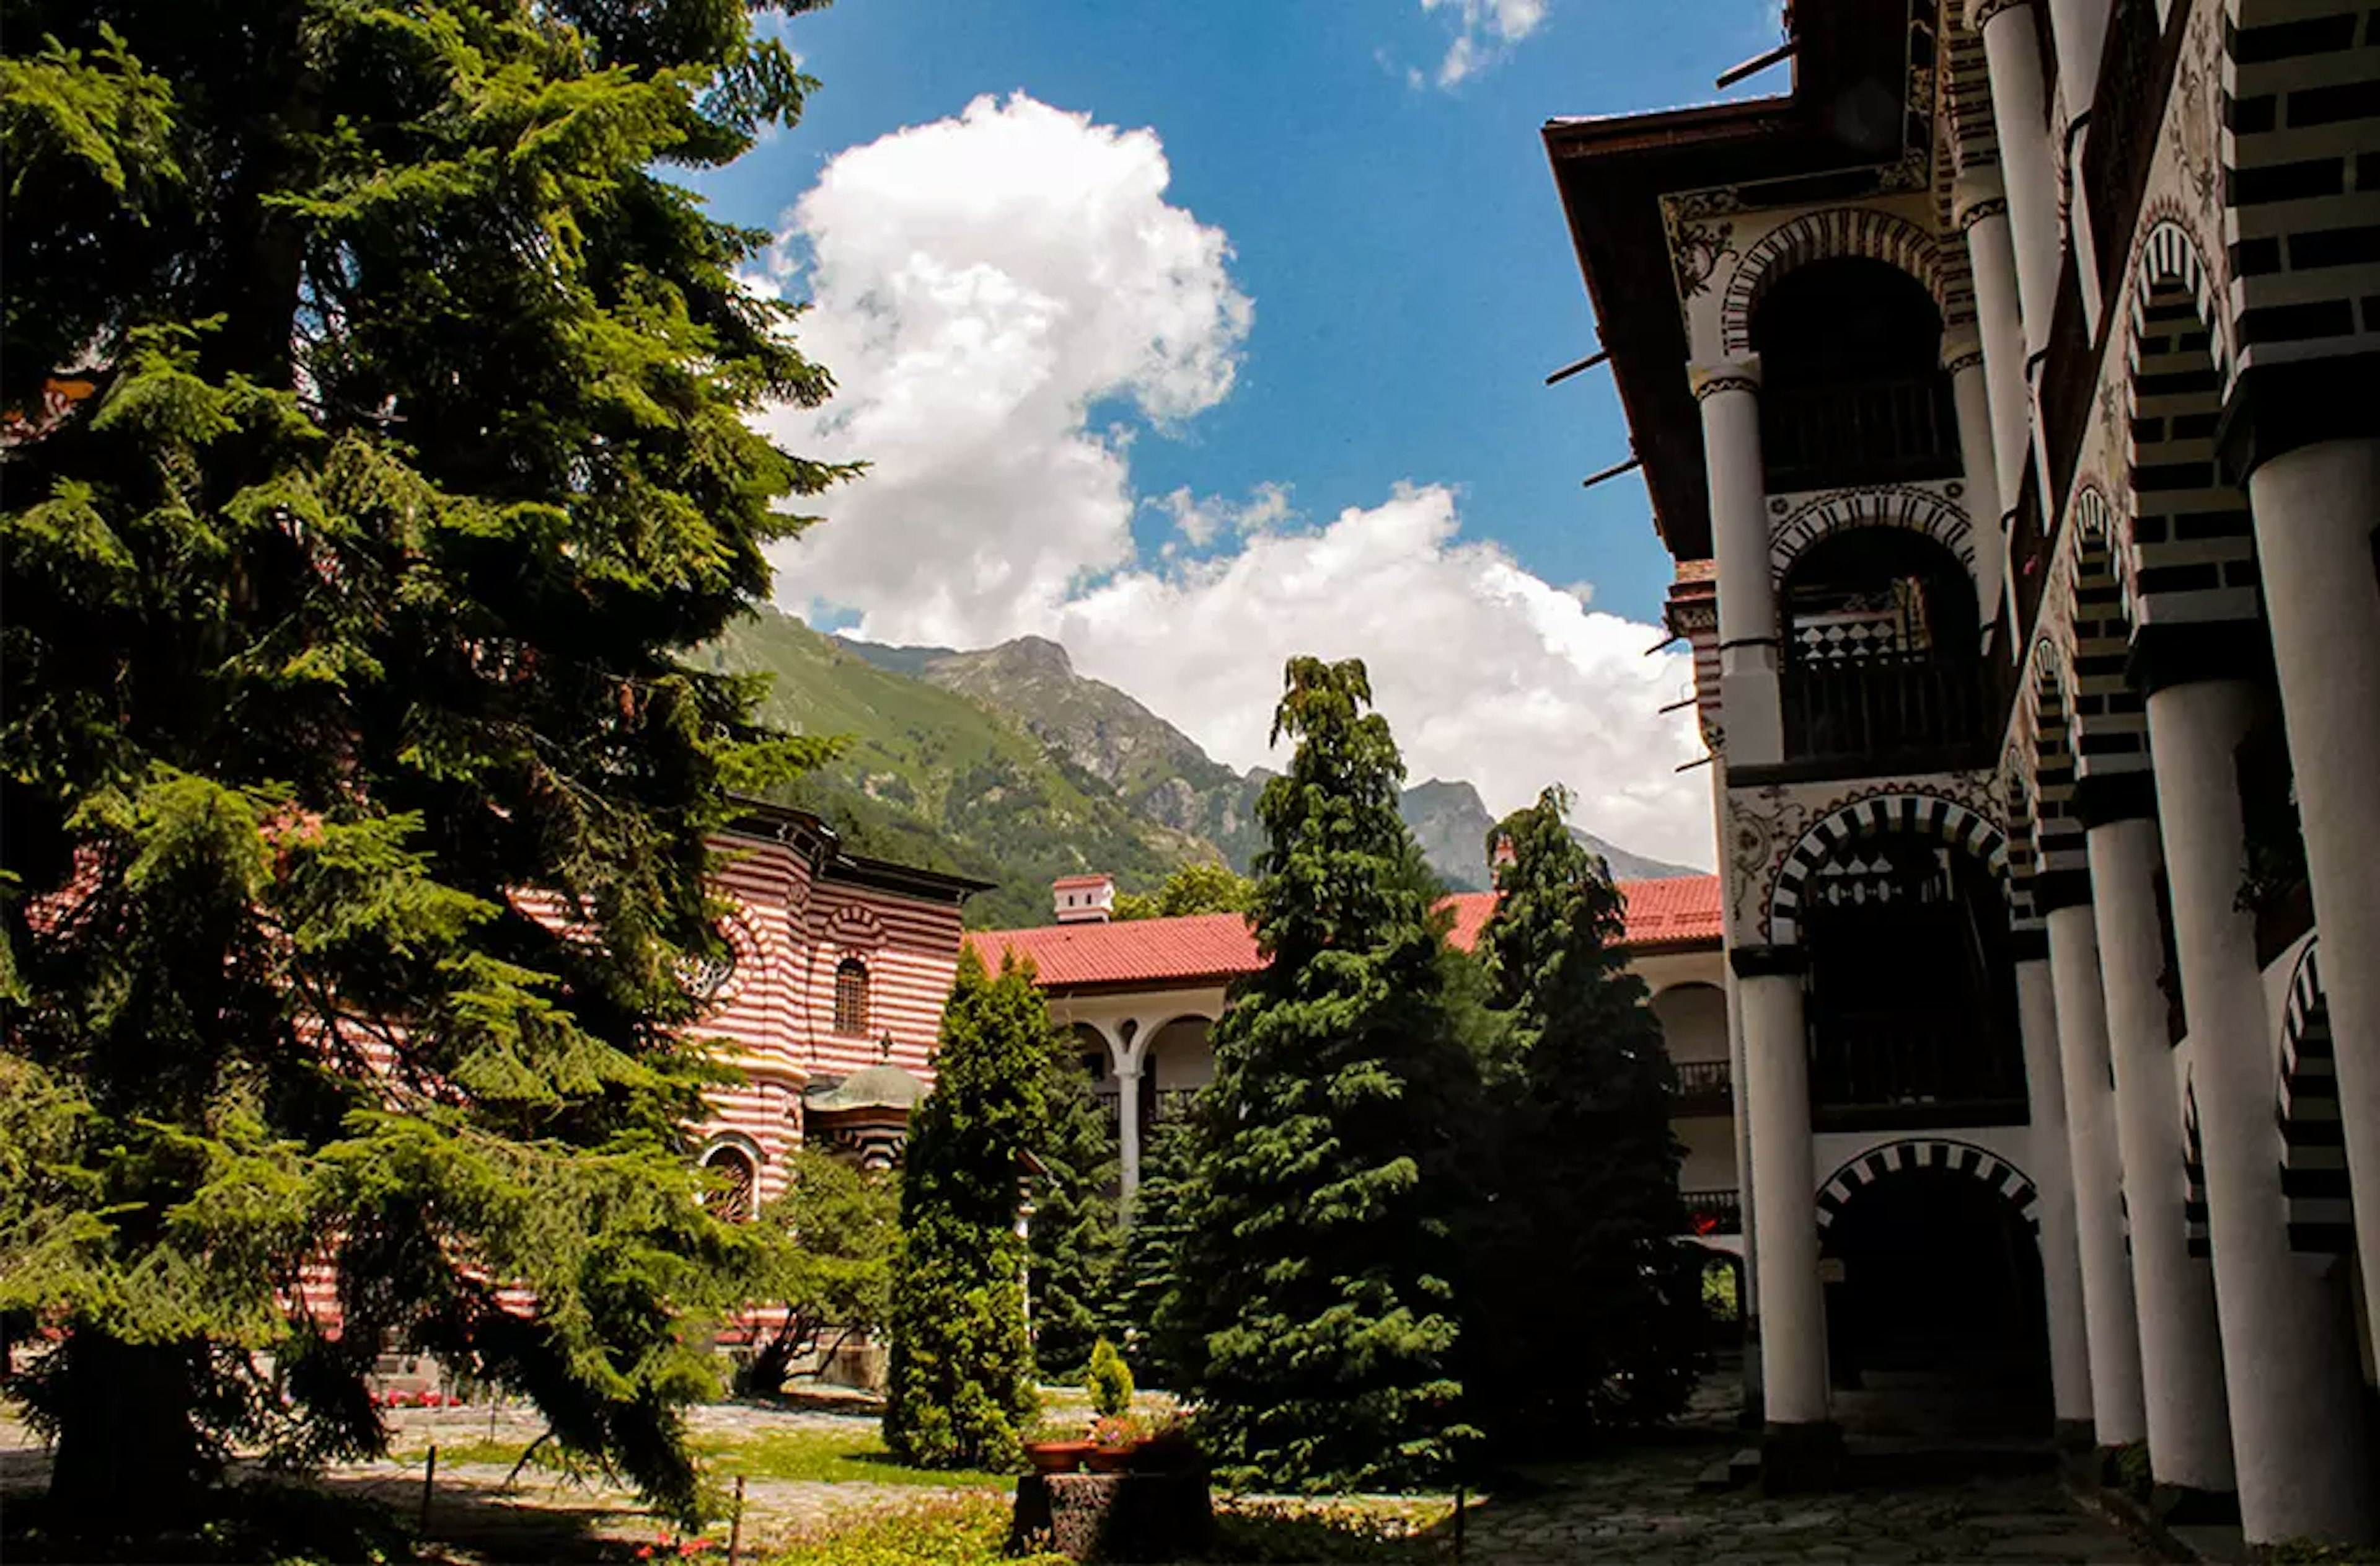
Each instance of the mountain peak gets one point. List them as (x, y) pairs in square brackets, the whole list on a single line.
[(1037, 655)]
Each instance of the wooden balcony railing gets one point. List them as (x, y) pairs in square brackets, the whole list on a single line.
[(1881, 706), (1858, 433), (1705, 1087), (1871, 1070), (1714, 1212)]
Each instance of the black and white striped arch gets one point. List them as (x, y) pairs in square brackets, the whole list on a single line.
[(1921, 815)]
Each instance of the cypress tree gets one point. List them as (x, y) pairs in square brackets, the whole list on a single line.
[(961, 1383), (1075, 1241), (1588, 1299), (1314, 1266), (358, 797)]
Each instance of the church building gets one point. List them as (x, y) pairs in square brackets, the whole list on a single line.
[(2011, 420)]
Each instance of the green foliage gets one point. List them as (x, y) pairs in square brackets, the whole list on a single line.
[(1076, 1240), (1108, 1379), (961, 1378), (1149, 1300), (1313, 1271), (827, 1263), (1200, 887), (357, 794), (1588, 1306)]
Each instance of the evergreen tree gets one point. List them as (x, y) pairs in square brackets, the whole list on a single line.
[(1587, 1300), (828, 1265), (1314, 1271), (1076, 1240), (356, 798), (1148, 1304), (961, 1380)]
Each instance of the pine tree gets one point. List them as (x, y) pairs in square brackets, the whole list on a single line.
[(1588, 1301), (358, 797), (1313, 1269), (961, 1377), (1076, 1240)]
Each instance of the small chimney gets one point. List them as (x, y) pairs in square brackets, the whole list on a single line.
[(1083, 900)]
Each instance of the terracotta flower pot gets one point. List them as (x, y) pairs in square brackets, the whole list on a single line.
[(1111, 1460), (1056, 1457)]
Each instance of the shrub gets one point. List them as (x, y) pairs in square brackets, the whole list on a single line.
[(1109, 1381)]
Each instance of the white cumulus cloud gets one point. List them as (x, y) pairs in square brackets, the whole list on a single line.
[(1005, 299), (1484, 29)]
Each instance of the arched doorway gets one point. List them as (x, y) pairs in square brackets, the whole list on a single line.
[(1936, 1319)]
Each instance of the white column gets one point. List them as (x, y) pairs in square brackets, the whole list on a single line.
[(2181, 1357), (2078, 28), (2294, 1392), (2028, 163), (1962, 355), (2314, 510), (2000, 332), (1793, 1303), (1128, 1126), (1748, 1303), (1730, 394), (2110, 1319), (2061, 1267)]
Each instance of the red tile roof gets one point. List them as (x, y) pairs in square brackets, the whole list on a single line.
[(1211, 948)]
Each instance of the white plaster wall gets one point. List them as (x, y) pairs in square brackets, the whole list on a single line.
[(1181, 1056), (1694, 1021), (1710, 1164)]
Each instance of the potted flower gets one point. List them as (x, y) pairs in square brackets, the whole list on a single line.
[(1169, 1447), (1114, 1439), (1053, 1447)]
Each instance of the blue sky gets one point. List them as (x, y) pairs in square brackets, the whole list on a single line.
[(1199, 336), (1411, 269)]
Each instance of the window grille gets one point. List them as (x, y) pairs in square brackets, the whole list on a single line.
[(850, 996), (732, 1200)]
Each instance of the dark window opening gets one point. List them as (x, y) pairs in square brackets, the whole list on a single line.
[(1882, 650), (735, 1199), (1853, 388)]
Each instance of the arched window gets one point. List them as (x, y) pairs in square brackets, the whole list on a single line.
[(1853, 388), (733, 1199), (850, 996)]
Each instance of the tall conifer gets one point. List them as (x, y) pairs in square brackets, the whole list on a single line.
[(1587, 1300), (356, 795), (960, 1382), (1315, 1265), (1075, 1239)]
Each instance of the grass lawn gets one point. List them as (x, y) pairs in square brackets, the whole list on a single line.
[(825, 1456)]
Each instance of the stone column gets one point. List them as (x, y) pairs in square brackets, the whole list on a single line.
[(2289, 1371), (2028, 163), (2110, 1320), (2062, 1272), (2314, 510), (1800, 1442), (1730, 394), (1962, 355), (2181, 1357), (1999, 334), (2079, 30), (1748, 1303)]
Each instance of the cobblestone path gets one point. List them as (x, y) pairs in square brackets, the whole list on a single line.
[(1644, 1507)]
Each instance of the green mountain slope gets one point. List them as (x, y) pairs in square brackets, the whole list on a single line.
[(1151, 765), (935, 778)]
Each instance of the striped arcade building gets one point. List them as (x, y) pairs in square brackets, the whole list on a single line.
[(2015, 427)]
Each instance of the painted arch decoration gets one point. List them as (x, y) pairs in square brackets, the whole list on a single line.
[(2313, 1151), (2169, 260), (1916, 814), (1936, 514), (1825, 235), (2007, 1181)]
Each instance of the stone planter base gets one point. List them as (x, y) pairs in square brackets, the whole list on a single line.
[(1114, 1517)]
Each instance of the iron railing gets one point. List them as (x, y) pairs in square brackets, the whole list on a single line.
[(1881, 705), (1858, 433)]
